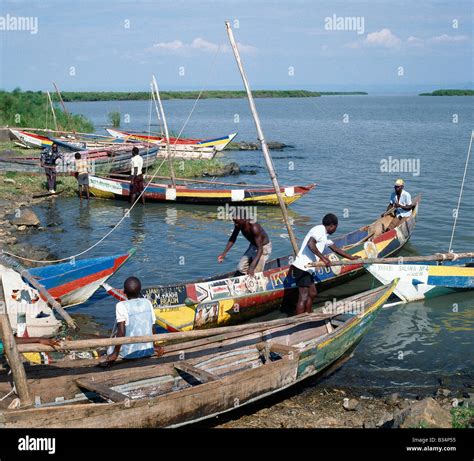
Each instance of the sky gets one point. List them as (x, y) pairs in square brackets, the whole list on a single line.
[(115, 45)]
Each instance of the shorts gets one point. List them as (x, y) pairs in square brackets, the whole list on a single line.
[(302, 278), (83, 179), (249, 256), (137, 184)]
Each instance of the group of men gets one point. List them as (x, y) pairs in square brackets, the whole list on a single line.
[(135, 317), (49, 159)]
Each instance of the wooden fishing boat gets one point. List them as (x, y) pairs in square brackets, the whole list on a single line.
[(195, 379), (111, 188), (31, 139), (225, 299), (73, 283), (218, 144), (427, 279)]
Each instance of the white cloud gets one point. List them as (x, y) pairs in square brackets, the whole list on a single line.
[(199, 45), (448, 38), (415, 41), (383, 38)]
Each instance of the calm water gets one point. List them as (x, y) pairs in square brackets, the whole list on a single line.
[(413, 346)]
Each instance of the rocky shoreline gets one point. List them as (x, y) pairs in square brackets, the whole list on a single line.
[(321, 407)]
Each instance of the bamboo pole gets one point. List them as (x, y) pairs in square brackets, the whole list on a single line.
[(163, 117), (13, 356), (398, 260), (52, 110), (169, 337), (261, 138), (62, 104)]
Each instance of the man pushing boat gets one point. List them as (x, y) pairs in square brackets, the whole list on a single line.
[(259, 249), (314, 244)]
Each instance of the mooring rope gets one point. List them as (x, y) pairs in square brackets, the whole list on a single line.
[(460, 194), (127, 214)]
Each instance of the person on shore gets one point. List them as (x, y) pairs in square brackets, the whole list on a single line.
[(400, 201), (258, 251), (314, 244), (82, 175), (48, 159), (134, 317), (136, 184)]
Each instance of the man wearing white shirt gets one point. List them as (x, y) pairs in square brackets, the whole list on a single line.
[(134, 317), (136, 185), (400, 201), (314, 244)]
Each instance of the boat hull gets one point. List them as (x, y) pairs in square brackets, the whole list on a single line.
[(420, 281), (119, 189)]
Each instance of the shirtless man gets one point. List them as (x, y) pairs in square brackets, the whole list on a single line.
[(259, 249)]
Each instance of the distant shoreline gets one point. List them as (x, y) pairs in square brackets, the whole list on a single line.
[(70, 96), (449, 93)]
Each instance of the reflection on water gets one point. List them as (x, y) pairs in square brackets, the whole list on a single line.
[(413, 345)]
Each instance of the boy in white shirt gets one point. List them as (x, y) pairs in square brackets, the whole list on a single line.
[(312, 249)]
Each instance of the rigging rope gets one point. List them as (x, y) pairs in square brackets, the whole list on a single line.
[(460, 193)]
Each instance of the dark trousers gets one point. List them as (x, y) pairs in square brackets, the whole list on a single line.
[(51, 177)]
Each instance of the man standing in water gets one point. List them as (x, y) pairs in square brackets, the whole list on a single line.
[(136, 184), (134, 317), (259, 249), (314, 244), (400, 201), (82, 174), (48, 162)]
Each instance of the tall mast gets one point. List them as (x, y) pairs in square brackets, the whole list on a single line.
[(52, 110), (261, 138), (163, 117), (63, 105)]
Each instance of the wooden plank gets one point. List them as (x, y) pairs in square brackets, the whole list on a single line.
[(12, 354), (202, 375), (283, 349), (101, 389)]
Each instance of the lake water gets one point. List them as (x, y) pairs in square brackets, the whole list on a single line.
[(410, 347)]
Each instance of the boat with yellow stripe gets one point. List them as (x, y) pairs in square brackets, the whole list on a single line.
[(111, 188), (199, 374), (224, 299), (427, 279)]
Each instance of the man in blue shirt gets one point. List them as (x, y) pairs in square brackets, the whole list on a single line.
[(400, 201)]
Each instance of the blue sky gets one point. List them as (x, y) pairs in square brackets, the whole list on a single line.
[(117, 45)]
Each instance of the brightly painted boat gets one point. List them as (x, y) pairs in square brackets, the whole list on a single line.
[(194, 379), (110, 188), (225, 299), (75, 282), (218, 144), (426, 279), (31, 139)]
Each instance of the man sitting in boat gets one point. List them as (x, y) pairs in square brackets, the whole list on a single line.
[(259, 249), (48, 161), (400, 201), (315, 242), (134, 317), (136, 185)]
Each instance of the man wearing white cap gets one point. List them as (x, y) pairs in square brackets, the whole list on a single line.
[(400, 201)]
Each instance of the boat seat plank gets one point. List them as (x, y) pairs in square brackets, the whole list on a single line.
[(201, 375), (101, 389)]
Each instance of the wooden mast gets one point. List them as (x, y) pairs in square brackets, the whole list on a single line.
[(52, 110), (13, 356), (163, 117), (63, 105), (261, 138)]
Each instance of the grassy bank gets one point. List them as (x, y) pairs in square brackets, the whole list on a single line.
[(144, 95), (31, 109), (188, 168), (449, 93)]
